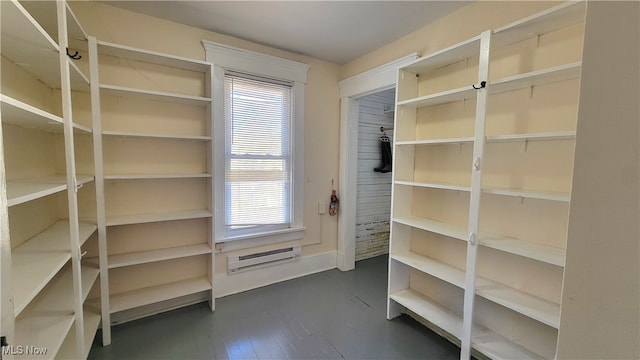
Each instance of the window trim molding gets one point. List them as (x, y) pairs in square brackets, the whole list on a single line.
[(225, 57)]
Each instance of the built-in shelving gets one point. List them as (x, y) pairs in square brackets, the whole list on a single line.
[(446, 56), (121, 91), (536, 78), (21, 191), (463, 93), (158, 136), (547, 254), (541, 195), (143, 257), (154, 294), (432, 267), (154, 176), (460, 140), (156, 217), (433, 185), (91, 324), (438, 227), (16, 112), (547, 136), (111, 49)]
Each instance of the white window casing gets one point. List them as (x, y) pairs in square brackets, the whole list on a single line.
[(232, 60)]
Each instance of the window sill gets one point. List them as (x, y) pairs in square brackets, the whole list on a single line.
[(239, 242)]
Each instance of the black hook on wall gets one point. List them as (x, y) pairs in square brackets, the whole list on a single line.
[(482, 85), (74, 56)]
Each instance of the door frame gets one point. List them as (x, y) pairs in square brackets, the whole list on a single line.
[(381, 78)]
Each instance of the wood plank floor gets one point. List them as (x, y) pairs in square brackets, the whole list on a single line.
[(329, 315)]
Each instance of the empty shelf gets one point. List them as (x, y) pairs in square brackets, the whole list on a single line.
[(106, 48), (15, 112), (154, 95), (434, 185), (158, 136), (536, 78), (463, 93), (541, 195), (142, 257), (158, 293), (154, 176), (547, 254), (556, 135), (21, 191), (156, 217), (91, 323), (432, 267), (434, 226), (435, 141), (444, 57)]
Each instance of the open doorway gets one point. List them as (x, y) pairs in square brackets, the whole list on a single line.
[(373, 186)]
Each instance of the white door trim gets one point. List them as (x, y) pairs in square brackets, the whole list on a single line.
[(371, 81)]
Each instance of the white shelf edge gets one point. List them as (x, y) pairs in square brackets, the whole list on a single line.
[(446, 56), (91, 324), (536, 78), (159, 136), (158, 293), (154, 95), (432, 267), (539, 195), (460, 140), (111, 49), (21, 191), (144, 257), (434, 185), (434, 226), (155, 176), (538, 252), (29, 116), (90, 274), (545, 136), (462, 93), (82, 128), (157, 217)]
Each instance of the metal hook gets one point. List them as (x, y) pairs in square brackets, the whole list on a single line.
[(74, 56), (482, 85)]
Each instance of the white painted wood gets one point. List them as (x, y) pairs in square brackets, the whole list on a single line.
[(432, 267), (90, 274), (546, 195), (155, 176), (548, 136), (150, 95), (444, 57), (23, 191), (153, 294), (153, 57), (158, 136), (100, 189), (434, 141), (563, 15), (359, 85), (463, 93), (434, 226), (434, 185), (24, 41), (536, 78), (476, 194), (7, 320), (91, 324), (546, 254), (15, 112), (143, 257), (156, 217)]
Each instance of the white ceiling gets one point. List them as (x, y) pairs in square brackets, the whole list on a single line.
[(336, 31)]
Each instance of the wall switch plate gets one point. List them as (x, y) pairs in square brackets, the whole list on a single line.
[(322, 208)]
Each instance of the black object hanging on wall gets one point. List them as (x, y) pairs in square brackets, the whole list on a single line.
[(385, 150)]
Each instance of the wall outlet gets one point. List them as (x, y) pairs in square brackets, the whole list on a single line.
[(322, 208)]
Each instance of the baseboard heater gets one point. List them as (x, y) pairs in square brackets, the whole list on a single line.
[(257, 260)]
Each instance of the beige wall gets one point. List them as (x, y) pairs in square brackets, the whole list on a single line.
[(119, 26)]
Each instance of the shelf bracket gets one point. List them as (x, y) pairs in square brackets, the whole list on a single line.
[(459, 148), (472, 239), (530, 91), (476, 164), (525, 145)]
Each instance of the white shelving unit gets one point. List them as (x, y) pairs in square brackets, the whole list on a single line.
[(479, 208), (151, 180), (42, 272)]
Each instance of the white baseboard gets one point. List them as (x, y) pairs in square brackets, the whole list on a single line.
[(232, 284)]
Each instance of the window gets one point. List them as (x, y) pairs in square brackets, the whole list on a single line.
[(257, 153), (258, 147)]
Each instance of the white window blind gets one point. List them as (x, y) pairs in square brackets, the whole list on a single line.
[(258, 115)]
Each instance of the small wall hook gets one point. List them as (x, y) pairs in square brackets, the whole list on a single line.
[(74, 56), (483, 84)]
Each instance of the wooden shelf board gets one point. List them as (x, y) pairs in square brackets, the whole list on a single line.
[(91, 324), (536, 78), (435, 141), (15, 112), (154, 176), (153, 95), (547, 254), (154, 294), (21, 191), (143, 257), (159, 136), (463, 93), (434, 185), (546, 21), (106, 48), (434, 226), (429, 310), (79, 81), (444, 57), (157, 217), (25, 42), (540, 195), (556, 135), (82, 128), (90, 274), (432, 267), (484, 340), (536, 308)]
